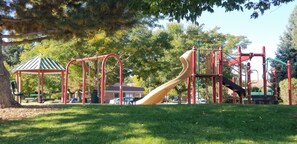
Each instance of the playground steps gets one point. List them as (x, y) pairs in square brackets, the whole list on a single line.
[(229, 84)]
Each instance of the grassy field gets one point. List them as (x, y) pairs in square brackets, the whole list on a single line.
[(156, 124)]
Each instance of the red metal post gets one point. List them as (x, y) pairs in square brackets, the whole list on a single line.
[(275, 93), (189, 89), (66, 80), (121, 78), (103, 81), (194, 74), (239, 71), (234, 93), (84, 82), (249, 83), (103, 77), (220, 81), (213, 78), (289, 82), (264, 71)]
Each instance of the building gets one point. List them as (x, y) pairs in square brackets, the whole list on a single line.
[(112, 91)]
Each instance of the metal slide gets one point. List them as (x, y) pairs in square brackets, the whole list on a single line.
[(160, 92)]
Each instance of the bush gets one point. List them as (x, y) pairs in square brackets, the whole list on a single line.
[(284, 94), (56, 95)]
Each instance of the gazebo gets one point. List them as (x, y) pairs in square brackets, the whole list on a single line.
[(38, 65)]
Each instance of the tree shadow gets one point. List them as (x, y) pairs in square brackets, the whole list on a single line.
[(170, 124)]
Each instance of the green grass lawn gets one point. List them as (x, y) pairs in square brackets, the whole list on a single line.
[(156, 124)]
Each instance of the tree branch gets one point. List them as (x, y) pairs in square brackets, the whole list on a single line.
[(27, 34), (23, 41), (9, 19)]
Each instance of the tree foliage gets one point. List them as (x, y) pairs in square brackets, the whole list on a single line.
[(284, 94), (40, 19), (12, 54), (287, 50)]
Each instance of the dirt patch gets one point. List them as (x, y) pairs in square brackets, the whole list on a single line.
[(24, 112)]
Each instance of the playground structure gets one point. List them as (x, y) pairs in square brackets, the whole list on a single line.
[(216, 74), (160, 92), (189, 74)]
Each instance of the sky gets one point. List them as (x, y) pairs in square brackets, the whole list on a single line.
[(263, 31)]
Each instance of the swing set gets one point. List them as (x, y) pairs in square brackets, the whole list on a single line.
[(84, 67)]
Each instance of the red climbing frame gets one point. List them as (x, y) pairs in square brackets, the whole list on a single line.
[(245, 56), (241, 57), (82, 62)]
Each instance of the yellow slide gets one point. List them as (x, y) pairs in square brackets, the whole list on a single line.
[(160, 92)]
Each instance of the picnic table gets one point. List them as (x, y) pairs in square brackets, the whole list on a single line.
[(33, 97)]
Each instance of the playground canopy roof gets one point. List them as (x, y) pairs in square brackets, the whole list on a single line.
[(39, 64)]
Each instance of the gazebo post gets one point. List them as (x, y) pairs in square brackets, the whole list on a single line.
[(38, 87), (16, 80), (20, 81), (42, 84), (62, 85), (19, 86)]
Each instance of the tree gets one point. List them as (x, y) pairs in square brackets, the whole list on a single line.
[(139, 48), (32, 20), (284, 95), (287, 50), (12, 54)]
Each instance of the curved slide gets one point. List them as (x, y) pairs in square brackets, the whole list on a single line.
[(160, 92)]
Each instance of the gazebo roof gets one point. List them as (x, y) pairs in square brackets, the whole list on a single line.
[(39, 64)]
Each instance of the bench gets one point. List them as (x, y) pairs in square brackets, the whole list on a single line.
[(32, 97), (15, 92)]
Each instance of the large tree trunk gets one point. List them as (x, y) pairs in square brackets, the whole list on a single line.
[(6, 99)]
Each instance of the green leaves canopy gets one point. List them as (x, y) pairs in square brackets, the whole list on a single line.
[(77, 17)]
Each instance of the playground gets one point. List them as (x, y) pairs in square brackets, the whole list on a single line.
[(148, 72), (215, 63), (244, 121)]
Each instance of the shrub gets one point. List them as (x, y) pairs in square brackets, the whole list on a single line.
[(56, 95), (284, 94)]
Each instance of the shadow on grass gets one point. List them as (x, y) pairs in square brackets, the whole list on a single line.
[(156, 124)]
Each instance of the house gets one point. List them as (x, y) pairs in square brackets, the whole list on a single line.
[(112, 91), (259, 83)]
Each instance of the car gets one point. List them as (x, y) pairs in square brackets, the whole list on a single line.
[(201, 101), (125, 100), (128, 100), (114, 101)]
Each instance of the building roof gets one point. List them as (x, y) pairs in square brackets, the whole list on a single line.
[(39, 64), (259, 83), (115, 88)]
